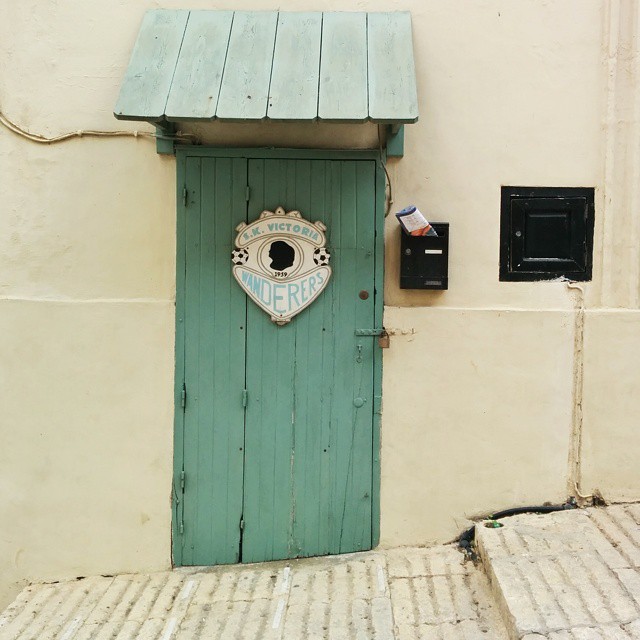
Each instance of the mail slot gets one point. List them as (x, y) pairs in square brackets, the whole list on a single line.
[(424, 260)]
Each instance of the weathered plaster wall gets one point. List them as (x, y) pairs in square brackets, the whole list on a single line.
[(86, 438), (507, 101), (611, 404), (474, 417), (479, 394), (538, 103), (86, 328)]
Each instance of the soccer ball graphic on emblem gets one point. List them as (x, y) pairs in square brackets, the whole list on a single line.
[(239, 256), (321, 256)]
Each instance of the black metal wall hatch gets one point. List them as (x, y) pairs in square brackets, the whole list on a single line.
[(546, 233)]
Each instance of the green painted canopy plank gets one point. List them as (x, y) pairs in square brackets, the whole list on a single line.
[(244, 92), (198, 74), (284, 66), (147, 81), (342, 94), (392, 86), (293, 94)]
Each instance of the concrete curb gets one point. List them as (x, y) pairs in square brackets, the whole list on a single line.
[(570, 574)]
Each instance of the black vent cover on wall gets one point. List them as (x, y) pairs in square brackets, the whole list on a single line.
[(546, 233)]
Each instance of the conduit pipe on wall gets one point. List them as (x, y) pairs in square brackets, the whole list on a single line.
[(575, 444)]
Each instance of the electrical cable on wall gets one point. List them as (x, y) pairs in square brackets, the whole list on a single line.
[(386, 173), (467, 538), (81, 133)]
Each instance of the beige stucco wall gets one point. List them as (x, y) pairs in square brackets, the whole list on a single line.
[(86, 438), (611, 447), (474, 418), (482, 384), (86, 328)]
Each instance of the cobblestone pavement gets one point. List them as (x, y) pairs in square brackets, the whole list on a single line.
[(403, 594), (572, 575)]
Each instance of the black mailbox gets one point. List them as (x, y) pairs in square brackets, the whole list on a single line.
[(424, 260)]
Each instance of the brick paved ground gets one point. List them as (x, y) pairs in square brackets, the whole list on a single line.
[(573, 575), (567, 575), (404, 594)]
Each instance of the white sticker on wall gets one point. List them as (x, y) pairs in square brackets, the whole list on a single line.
[(281, 262)]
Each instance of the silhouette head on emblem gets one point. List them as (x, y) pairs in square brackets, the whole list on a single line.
[(282, 255)]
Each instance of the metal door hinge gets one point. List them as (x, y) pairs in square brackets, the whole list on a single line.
[(185, 196), (245, 397), (182, 477), (181, 527), (248, 193), (183, 396), (241, 524)]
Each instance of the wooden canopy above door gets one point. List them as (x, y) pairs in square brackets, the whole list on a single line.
[(243, 66)]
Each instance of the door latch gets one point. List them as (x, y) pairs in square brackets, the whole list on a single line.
[(381, 334)]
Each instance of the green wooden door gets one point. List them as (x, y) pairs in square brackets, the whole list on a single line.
[(276, 441)]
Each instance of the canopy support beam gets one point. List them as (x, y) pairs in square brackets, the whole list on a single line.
[(165, 137), (395, 141)]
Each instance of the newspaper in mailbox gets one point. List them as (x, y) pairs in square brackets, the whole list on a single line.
[(414, 223)]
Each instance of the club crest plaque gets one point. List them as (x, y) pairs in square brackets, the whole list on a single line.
[(281, 262)]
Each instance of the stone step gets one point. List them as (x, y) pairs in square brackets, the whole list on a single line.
[(566, 575)]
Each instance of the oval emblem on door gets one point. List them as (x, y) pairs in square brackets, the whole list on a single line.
[(281, 262)]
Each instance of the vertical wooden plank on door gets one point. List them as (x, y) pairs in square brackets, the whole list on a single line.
[(380, 210), (356, 523), (322, 189), (351, 424), (309, 447), (306, 455), (229, 342), (178, 441), (341, 271), (215, 332), (334, 470), (192, 209), (270, 411)]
